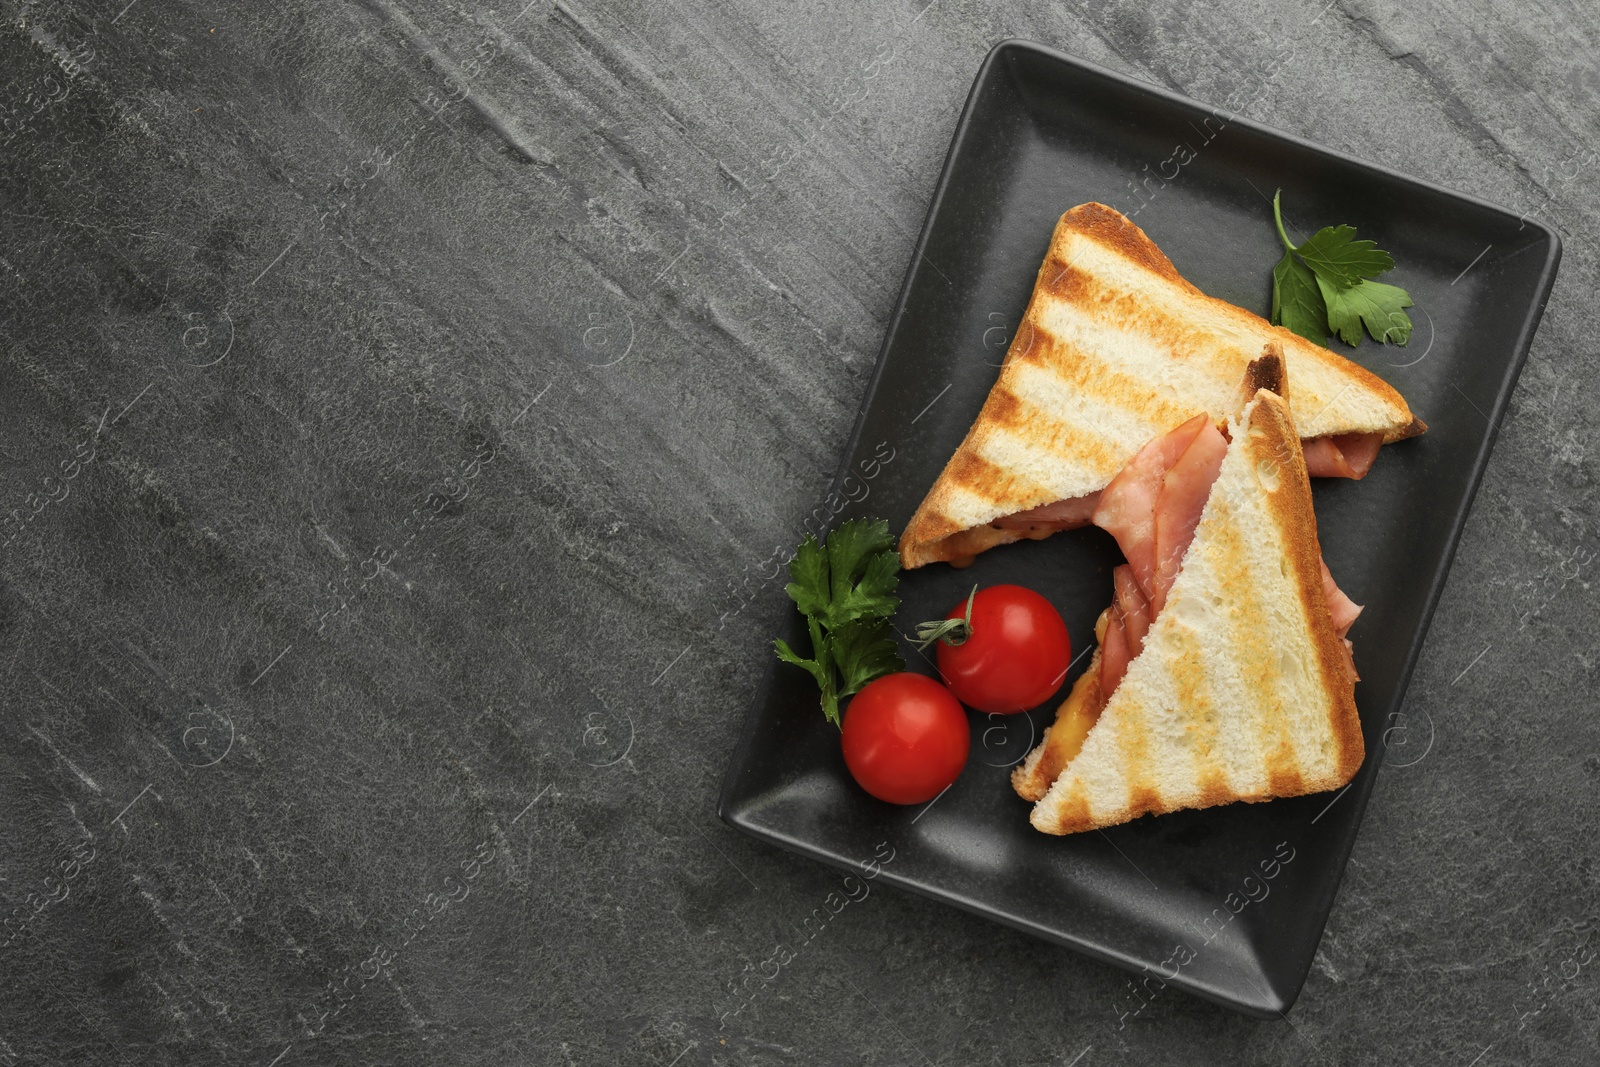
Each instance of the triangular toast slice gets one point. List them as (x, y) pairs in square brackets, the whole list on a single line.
[(1243, 689), (1114, 348)]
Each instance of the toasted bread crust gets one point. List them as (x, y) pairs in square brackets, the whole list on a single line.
[(1270, 439), (1115, 230), (1266, 373), (1019, 411)]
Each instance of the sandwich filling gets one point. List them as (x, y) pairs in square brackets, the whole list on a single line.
[(1341, 455), (1345, 455)]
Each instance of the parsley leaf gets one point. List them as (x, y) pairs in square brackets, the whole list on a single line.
[(1373, 303), (865, 650), (1325, 285), (1297, 303), (820, 668), (809, 569), (1340, 259), (844, 586), (864, 570)]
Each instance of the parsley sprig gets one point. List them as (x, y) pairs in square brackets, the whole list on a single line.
[(844, 586), (1325, 286)]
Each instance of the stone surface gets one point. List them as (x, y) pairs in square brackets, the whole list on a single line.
[(392, 393)]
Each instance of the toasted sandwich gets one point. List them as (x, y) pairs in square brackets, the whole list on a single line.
[(1116, 347), (1223, 672)]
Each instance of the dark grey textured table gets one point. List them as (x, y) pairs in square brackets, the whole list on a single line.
[(399, 401)]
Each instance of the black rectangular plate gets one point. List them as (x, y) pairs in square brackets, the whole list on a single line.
[(1203, 899)]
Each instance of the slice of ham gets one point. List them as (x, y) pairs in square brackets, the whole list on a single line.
[(1136, 613), (1153, 506), (1127, 508), (1345, 455), (1130, 621), (1184, 492), (1343, 611), (1062, 515)]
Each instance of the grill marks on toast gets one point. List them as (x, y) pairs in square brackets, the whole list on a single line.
[(1133, 751), (1072, 810), (1265, 734), (1110, 227), (1103, 291), (1045, 421), (1057, 399), (1106, 369), (1022, 424), (1188, 327), (1197, 694), (1186, 756), (974, 472)]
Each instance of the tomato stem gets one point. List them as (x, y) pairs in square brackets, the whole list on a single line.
[(953, 632)]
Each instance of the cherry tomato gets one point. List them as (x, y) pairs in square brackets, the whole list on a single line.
[(1016, 656), (905, 738)]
